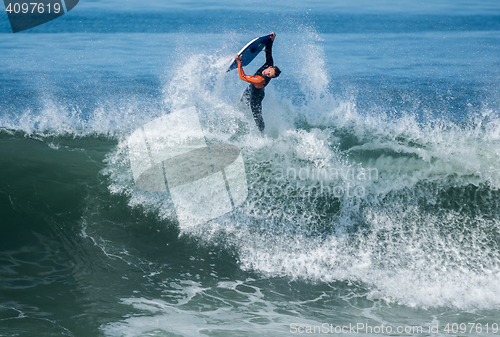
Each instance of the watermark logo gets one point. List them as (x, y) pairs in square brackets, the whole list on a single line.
[(205, 181), (25, 14), (310, 183)]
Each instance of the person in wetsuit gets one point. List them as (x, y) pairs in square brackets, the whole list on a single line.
[(254, 94)]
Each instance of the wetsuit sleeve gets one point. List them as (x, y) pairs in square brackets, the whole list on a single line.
[(258, 81), (269, 53)]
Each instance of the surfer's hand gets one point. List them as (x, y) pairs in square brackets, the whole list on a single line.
[(237, 57), (273, 35)]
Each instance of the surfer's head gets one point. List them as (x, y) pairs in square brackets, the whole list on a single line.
[(271, 72)]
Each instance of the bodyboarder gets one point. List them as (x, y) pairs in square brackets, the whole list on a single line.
[(254, 94)]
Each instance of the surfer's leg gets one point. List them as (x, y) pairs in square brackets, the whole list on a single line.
[(257, 116), (256, 106)]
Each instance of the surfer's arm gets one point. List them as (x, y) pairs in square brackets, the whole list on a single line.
[(258, 81), (269, 52)]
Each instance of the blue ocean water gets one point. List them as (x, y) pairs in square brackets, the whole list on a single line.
[(394, 103)]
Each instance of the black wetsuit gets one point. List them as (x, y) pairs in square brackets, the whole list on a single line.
[(253, 96)]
